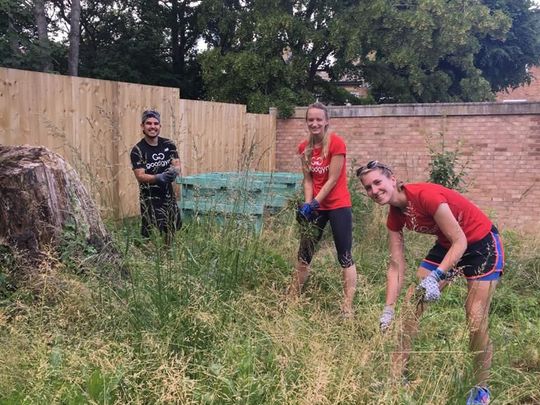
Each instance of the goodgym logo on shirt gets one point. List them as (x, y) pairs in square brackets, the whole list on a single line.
[(317, 165), (159, 160)]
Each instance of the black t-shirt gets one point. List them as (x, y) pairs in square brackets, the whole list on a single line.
[(154, 160)]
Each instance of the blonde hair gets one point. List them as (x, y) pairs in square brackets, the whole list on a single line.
[(382, 167), (308, 151)]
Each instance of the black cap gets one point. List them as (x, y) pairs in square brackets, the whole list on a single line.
[(150, 114)]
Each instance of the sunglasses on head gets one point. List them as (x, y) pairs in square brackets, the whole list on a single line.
[(372, 164)]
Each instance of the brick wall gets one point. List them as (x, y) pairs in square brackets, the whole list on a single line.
[(500, 141)]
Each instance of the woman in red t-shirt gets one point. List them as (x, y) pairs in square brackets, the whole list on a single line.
[(467, 243), (326, 199)]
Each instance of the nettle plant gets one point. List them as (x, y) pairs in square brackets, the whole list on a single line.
[(446, 167)]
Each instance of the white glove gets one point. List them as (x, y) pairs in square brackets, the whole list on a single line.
[(430, 285), (386, 318)]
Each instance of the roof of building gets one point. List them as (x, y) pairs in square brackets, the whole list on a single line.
[(527, 92)]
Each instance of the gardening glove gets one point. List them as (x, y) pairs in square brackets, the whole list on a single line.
[(386, 318), (430, 286), (167, 176), (307, 210), (171, 172)]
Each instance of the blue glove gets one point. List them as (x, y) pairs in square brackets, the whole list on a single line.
[(167, 176), (386, 318), (307, 210), (172, 172), (430, 285)]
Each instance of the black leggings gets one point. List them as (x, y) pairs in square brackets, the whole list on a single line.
[(341, 224)]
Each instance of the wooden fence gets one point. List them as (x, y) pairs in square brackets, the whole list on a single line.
[(223, 137), (94, 123)]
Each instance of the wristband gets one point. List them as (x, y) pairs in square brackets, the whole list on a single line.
[(439, 274)]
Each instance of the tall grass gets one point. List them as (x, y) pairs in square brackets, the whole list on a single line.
[(206, 321)]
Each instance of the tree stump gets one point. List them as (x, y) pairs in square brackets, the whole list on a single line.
[(41, 196)]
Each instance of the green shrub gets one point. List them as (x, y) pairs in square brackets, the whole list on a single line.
[(446, 166)]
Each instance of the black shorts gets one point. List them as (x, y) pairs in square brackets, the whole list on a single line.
[(483, 260), (341, 224)]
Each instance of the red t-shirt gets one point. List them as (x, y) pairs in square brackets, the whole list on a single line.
[(423, 199), (339, 196)]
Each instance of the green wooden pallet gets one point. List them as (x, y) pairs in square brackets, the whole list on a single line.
[(243, 196)]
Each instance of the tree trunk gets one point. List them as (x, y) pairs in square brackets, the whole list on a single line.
[(41, 196), (74, 38), (44, 44)]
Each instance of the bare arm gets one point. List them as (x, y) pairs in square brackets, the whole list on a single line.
[(449, 226), (396, 267), (176, 164), (142, 177), (307, 184), (176, 187), (336, 164)]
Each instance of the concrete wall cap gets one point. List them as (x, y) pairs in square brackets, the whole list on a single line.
[(429, 109)]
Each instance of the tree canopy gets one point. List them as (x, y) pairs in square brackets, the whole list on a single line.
[(266, 53)]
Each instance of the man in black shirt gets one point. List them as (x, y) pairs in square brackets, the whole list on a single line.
[(155, 165)]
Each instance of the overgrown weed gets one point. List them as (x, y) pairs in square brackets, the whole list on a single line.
[(206, 321)]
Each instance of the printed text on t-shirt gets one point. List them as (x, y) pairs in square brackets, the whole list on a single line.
[(317, 165)]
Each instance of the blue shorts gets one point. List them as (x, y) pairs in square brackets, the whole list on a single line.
[(482, 261)]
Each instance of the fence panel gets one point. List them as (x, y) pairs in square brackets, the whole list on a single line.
[(213, 138), (259, 148), (95, 123)]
